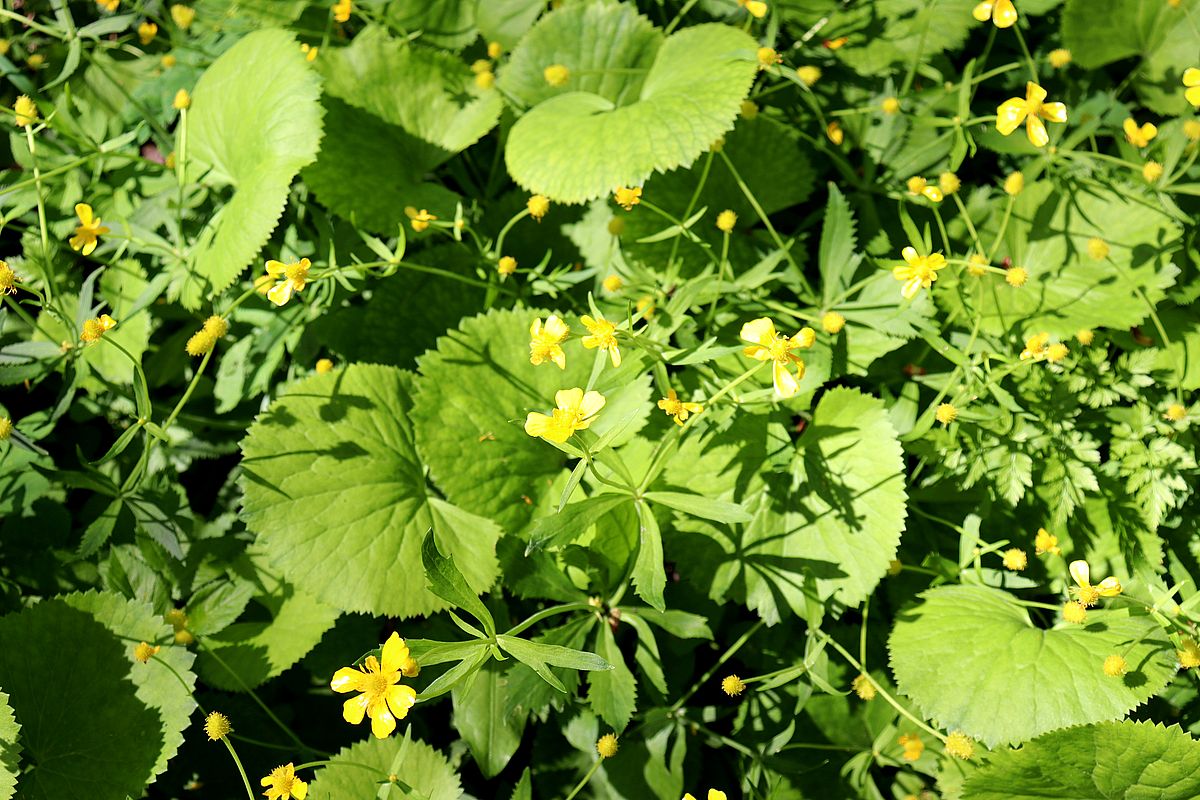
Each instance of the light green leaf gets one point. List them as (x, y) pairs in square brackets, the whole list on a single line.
[(614, 130), (540, 657), (910, 29), (573, 521), (1108, 761), (447, 23), (480, 719), (700, 506), (471, 400), (256, 120), (971, 659), (337, 495), (506, 21), (420, 766), (10, 749), (837, 259), (448, 583), (612, 693), (649, 575)]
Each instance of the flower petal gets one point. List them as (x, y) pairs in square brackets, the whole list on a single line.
[(785, 384), (354, 709), (1192, 95), (90, 246), (1055, 112), (400, 699), (1109, 587), (280, 293), (757, 330), (395, 653), (537, 424), (1191, 76), (590, 404), (1034, 94), (275, 268), (556, 327), (615, 354), (1005, 14), (1080, 572), (1010, 114), (558, 356), (382, 721), (568, 399), (346, 679), (84, 212), (909, 254), (299, 789), (982, 11), (909, 290), (1037, 132)]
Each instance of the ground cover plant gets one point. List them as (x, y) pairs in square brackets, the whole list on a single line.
[(599, 399)]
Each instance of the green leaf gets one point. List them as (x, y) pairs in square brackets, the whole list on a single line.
[(608, 126), (540, 657), (448, 583), (506, 21), (612, 693), (480, 719), (10, 749), (962, 638), (573, 521), (649, 575), (471, 400), (700, 506), (417, 764), (836, 257), (448, 23), (337, 495), (1111, 761), (56, 660), (890, 32), (256, 121)]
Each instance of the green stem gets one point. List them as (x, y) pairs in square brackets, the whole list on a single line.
[(241, 770), (187, 393), (707, 676), (586, 779), (41, 209), (1033, 76), (547, 613)]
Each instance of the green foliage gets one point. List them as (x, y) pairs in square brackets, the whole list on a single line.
[(426, 774)]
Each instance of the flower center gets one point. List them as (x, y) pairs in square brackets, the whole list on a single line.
[(779, 347), (295, 272), (377, 685)]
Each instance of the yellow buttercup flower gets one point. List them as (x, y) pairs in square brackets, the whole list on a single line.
[(1002, 13), (1088, 594), (767, 57), (94, 329), (913, 746), (1138, 136), (1176, 412), (959, 745), (144, 652), (757, 8), (732, 685), (832, 322), (627, 197), (1035, 347), (1074, 612), (1057, 352), (835, 134), (324, 365), (612, 283), (1014, 184), (726, 221), (678, 409), (1085, 336), (949, 183), (556, 75), (282, 784), (289, 278), (1016, 276), (1115, 666), (108, 5), (182, 100), (538, 206), (1188, 653), (1032, 110), (946, 413), (768, 345), (1045, 542), (919, 273), (147, 31), (25, 110), (808, 74), (1152, 171), (1014, 559), (418, 219), (606, 745), (381, 695), (863, 687), (603, 335), (977, 265), (341, 10), (184, 16), (506, 266), (713, 794), (8, 279), (919, 186), (1191, 79), (576, 411), (1097, 248), (89, 230), (216, 726), (1059, 58), (545, 341)]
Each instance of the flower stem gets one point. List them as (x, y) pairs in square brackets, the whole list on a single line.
[(586, 778), (241, 770)]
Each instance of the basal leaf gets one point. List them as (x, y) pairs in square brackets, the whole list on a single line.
[(421, 767)]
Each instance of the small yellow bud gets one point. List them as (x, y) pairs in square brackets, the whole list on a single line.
[(1152, 171), (1074, 612), (946, 413), (863, 687), (495, 49), (1057, 352), (143, 652), (606, 746), (5, 44), (616, 226), (890, 105), (217, 726), (556, 75), (1016, 276), (977, 265), (538, 206), (6, 428), (1176, 412), (169, 161), (168, 61), (184, 637), (485, 80), (1014, 183), (1085, 336), (506, 266), (147, 31), (1015, 559), (756, 8), (93, 329), (26, 111), (726, 220), (767, 57), (324, 365), (1059, 58), (1115, 666), (895, 567), (808, 74), (182, 100), (1191, 129), (1097, 248), (35, 61), (835, 133), (832, 322), (732, 685), (1188, 653), (959, 745), (749, 109), (1045, 542), (949, 183), (913, 746), (612, 283), (183, 16), (310, 51)]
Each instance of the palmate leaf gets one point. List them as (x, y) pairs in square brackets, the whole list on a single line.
[(971, 659), (255, 120), (418, 765), (337, 495), (611, 124), (10, 749), (1108, 761)]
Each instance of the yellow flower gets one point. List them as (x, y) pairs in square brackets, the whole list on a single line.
[(808, 75), (1002, 13), (606, 745), (919, 186), (556, 75), (1032, 110), (674, 407), (713, 794), (1035, 347), (506, 266), (419, 219), (382, 697), (627, 197), (835, 44), (182, 100), (288, 278), (89, 230), (217, 726), (949, 183), (1176, 412), (1015, 559), (324, 365), (538, 205), (767, 345), (485, 80), (1014, 183), (495, 49), (832, 322), (310, 51), (35, 61), (1057, 352), (576, 411), (1045, 542), (1090, 595), (1097, 248), (863, 687), (835, 134), (767, 57), (1138, 137), (108, 5), (913, 746), (1016, 276), (726, 220), (545, 341), (603, 335), (977, 265), (93, 329), (144, 652), (920, 272), (1115, 666), (1191, 79), (282, 784), (481, 65), (1085, 336), (749, 109), (147, 31), (1188, 653), (890, 105), (185, 15), (205, 339), (946, 413), (1191, 129), (1152, 171), (1074, 612), (757, 9), (341, 10), (1059, 58), (732, 685), (168, 61), (6, 428), (8, 279), (612, 283), (645, 306), (959, 745), (5, 44)]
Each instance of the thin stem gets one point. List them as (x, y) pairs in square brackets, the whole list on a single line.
[(586, 779), (41, 209), (191, 387), (546, 613), (728, 654), (241, 770), (1033, 76), (1003, 226)]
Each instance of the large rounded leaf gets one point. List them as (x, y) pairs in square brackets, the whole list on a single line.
[(10, 749), (1111, 760), (609, 130), (971, 659), (415, 763), (337, 495)]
